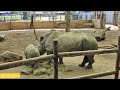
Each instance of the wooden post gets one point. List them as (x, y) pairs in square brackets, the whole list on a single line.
[(86, 17), (40, 16), (92, 17), (67, 18), (21, 16), (81, 17), (95, 14), (4, 19), (11, 17), (55, 59), (118, 60), (32, 26), (115, 18), (102, 21), (77, 17), (49, 17), (10, 25), (60, 17)]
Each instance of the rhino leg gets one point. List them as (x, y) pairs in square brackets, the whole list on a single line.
[(85, 60), (60, 60), (30, 64), (27, 64), (91, 61), (48, 52)]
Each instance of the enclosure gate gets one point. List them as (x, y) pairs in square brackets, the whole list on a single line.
[(68, 54)]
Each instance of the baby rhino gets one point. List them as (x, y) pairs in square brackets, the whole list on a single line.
[(30, 52)]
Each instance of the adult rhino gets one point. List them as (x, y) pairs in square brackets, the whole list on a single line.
[(67, 42)]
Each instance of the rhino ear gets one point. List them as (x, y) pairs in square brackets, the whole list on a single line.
[(41, 38)]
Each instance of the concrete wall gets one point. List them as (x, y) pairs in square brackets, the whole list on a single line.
[(40, 25), (96, 23)]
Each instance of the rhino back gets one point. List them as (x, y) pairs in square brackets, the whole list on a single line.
[(49, 40), (76, 42), (73, 42), (69, 42), (89, 42)]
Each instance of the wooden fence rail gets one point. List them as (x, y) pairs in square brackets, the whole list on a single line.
[(25, 62), (95, 75), (81, 53)]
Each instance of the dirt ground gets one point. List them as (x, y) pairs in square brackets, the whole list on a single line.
[(16, 41)]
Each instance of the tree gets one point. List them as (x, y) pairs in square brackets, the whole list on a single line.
[(115, 18), (67, 19), (34, 16), (102, 19), (32, 26), (97, 14)]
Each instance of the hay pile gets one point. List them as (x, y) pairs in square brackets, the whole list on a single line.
[(45, 69)]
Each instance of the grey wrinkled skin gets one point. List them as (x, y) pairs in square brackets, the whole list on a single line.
[(68, 42), (30, 52)]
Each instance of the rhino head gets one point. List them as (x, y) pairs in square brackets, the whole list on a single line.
[(41, 49), (41, 46), (100, 34)]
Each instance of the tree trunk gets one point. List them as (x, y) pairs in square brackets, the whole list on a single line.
[(32, 26), (25, 16), (34, 18), (103, 20), (115, 18), (67, 19)]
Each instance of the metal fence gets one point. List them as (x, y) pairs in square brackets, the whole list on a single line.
[(90, 15), (56, 17)]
